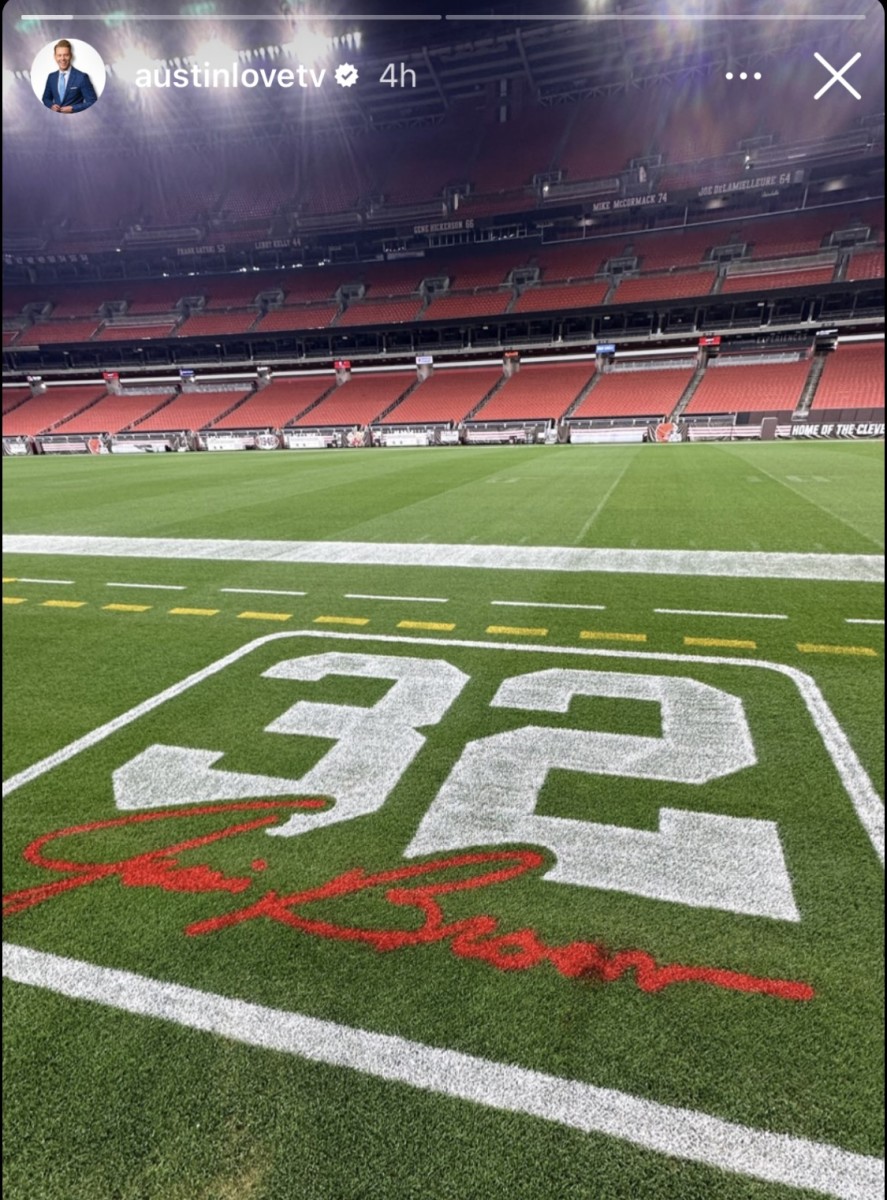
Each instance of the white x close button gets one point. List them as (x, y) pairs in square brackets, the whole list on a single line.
[(837, 76)]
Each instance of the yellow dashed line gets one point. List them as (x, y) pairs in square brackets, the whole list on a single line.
[(126, 607), (425, 625), (731, 643), (62, 603), (10, 579), (193, 612), (516, 629), (341, 620), (811, 648), (613, 637), (13, 599), (259, 616)]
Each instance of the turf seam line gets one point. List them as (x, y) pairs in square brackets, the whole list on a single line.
[(680, 1133)]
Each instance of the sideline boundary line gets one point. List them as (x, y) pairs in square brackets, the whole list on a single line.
[(677, 1132), (851, 568)]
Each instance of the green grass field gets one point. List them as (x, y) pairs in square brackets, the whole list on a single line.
[(589, 899)]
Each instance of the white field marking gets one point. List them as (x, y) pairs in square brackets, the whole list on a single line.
[(539, 604), (864, 620), (665, 1129), (819, 505), (597, 512), (261, 592), (851, 568), (60, 582), (156, 587), (408, 599), (866, 802), (702, 612)]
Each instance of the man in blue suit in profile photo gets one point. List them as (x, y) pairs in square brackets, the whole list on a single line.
[(67, 89)]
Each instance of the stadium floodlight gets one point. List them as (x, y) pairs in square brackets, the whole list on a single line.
[(308, 45), (132, 60), (215, 53)]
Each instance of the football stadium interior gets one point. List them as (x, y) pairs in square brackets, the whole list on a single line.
[(495, 257)]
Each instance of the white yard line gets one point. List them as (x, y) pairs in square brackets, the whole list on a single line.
[(854, 568), (704, 612), (863, 621), (61, 582), (597, 512), (540, 604), (261, 592), (677, 1132), (816, 504), (409, 599), (156, 587)]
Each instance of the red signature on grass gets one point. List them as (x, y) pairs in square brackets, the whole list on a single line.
[(471, 937)]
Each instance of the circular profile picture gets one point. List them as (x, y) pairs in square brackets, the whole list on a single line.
[(67, 76)]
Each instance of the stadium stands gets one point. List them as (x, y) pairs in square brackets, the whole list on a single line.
[(383, 310), (664, 287), (730, 386), (572, 295), (467, 304), (677, 248), (218, 323), (801, 233), (276, 405), (853, 377), (13, 397), (46, 410), (190, 410), (445, 397), (577, 260), (868, 264), (641, 393), (541, 392), (45, 333), (359, 401), (131, 331), (766, 281), (110, 414), (305, 316)]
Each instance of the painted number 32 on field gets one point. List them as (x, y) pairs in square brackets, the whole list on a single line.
[(701, 859)]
